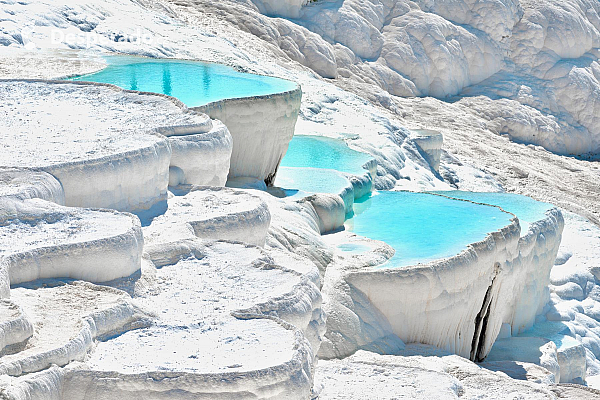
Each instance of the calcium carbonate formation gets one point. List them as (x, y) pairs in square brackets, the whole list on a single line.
[(128, 270)]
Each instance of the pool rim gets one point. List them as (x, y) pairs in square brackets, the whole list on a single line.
[(297, 87), (551, 214)]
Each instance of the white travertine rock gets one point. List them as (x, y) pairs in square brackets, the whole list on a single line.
[(295, 228), (15, 327), (527, 349), (211, 213), (261, 128), (283, 8), (507, 273), (299, 306), (39, 240), (548, 50), (424, 372), (494, 17), (369, 71), (430, 142), (224, 325), (111, 144), (330, 209), (68, 318), (113, 135), (29, 184), (199, 156)]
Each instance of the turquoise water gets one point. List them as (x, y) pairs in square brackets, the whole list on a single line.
[(311, 180), (194, 83), (423, 227), (322, 152), (525, 208)]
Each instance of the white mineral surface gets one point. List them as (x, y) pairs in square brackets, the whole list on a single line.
[(513, 86), (211, 213)]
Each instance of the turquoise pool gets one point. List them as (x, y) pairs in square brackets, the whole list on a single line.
[(194, 83), (423, 227), (525, 208), (311, 180), (326, 153)]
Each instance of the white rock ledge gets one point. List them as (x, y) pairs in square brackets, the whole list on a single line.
[(292, 379), (211, 213), (68, 318), (22, 184), (261, 127), (39, 239), (430, 142), (297, 300), (459, 303), (331, 207), (15, 327), (199, 157), (281, 8), (118, 155), (219, 306)]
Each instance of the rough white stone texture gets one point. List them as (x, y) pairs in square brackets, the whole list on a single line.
[(211, 213), (439, 57), (25, 184), (114, 142), (567, 363), (405, 49), (422, 372), (44, 385), (200, 154), (289, 380), (430, 142), (344, 190), (172, 33), (261, 127), (330, 210), (572, 362), (20, 63), (226, 305), (363, 184), (526, 284), (574, 293), (109, 183), (68, 319), (419, 372), (39, 239), (285, 8), (299, 302), (494, 17), (15, 327), (287, 38), (553, 78), (533, 350), (542, 55), (295, 228), (347, 329), (460, 303)]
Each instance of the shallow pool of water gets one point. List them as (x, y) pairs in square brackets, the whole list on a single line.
[(423, 227), (311, 180), (194, 83), (327, 153), (525, 208)]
